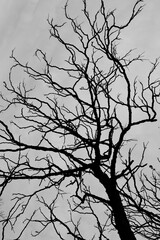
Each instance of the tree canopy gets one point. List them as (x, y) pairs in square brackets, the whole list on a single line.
[(68, 149)]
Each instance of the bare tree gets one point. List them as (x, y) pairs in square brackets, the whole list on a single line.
[(69, 141)]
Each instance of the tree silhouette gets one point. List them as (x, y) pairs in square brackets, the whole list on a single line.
[(69, 144)]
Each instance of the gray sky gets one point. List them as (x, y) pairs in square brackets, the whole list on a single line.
[(23, 26)]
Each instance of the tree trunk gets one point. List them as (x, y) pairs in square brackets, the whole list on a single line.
[(121, 222), (120, 218)]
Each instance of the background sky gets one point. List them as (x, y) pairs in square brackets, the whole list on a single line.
[(23, 27)]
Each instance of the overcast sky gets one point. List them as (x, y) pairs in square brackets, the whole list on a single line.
[(23, 27)]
